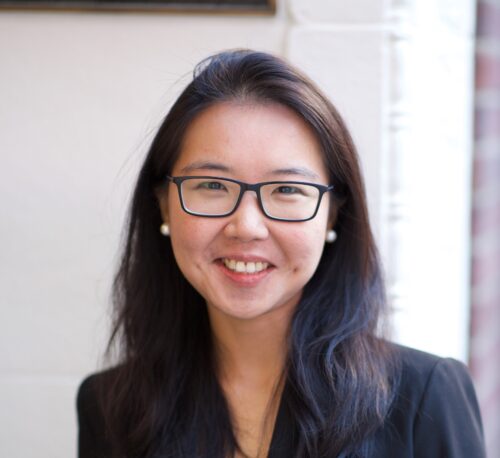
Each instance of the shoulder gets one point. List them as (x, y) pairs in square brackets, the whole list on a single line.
[(90, 389), (93, 440), (435, 408), (428, 380), (87, 391), (425, 381), (418, 369)]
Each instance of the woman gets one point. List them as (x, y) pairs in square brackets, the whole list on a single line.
[(250, 293)]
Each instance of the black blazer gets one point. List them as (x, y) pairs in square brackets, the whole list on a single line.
[(435, 415)]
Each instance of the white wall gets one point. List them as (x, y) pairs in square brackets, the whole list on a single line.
[(81, 95)]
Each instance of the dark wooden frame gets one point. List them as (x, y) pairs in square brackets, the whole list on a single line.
[(174, 6)]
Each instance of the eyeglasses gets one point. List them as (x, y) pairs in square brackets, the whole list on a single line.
[(214, 197)]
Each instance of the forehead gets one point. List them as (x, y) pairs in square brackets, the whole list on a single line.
[(251, 141)]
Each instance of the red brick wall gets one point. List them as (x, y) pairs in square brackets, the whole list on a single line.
[(485, 316)]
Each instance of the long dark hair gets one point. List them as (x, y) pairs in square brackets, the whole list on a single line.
[(164, 398)]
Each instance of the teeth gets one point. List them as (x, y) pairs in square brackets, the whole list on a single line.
[(245, 267)]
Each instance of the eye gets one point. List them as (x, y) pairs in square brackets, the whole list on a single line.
[(288, 189), (211, 185)]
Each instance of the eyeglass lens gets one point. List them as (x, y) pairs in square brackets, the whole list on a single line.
[(217, 197)]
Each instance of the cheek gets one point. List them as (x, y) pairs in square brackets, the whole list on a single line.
[(191, 240), (186, 242), (306, 250)]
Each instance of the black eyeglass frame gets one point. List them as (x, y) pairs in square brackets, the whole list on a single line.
[(248, 187)]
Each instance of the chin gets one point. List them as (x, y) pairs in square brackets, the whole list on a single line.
[(240, 313), (251, 310)]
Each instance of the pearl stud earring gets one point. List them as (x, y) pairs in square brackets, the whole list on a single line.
[(331, 236), (165, 230)]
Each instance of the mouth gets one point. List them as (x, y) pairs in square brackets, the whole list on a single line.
[(245, 270), (250, 267)]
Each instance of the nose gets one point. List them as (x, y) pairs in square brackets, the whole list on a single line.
[(248, 222)]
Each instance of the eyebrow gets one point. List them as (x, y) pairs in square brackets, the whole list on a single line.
[(207, 165), (301, 171)]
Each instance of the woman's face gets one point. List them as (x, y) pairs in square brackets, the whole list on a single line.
[(250, 142)]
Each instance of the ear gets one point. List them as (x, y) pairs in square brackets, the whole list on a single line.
[(336, 204), (162, 199), (332, 215)]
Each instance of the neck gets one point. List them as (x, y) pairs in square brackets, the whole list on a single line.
[(251, 351)]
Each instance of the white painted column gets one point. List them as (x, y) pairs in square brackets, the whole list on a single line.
[(427, 179), (400, 72)]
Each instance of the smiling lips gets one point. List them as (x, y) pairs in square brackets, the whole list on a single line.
[(245, 267)]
